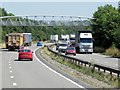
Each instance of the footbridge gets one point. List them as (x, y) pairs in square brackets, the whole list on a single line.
[(44, 20)]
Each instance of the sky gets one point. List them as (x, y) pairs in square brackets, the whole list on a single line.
[(25, 7)]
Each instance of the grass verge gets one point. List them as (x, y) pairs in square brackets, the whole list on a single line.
[(114, 52), (2, 45), (99, 75)]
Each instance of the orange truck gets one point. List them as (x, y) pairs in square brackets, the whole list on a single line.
[(14, 41)]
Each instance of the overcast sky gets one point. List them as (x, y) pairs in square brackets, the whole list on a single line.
[(60, 0), (54, 8)]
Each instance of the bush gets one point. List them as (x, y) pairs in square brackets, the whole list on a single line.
[(99, 50), (114, 52), (117, 38)]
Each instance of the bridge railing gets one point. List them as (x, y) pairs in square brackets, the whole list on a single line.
[(44, 21)]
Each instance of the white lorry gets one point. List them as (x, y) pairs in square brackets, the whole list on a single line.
[(54, 38), (84, 41), (65, 38), (72, 39)]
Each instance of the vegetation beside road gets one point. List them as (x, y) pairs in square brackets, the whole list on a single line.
[(113, 52), (99, 75), (105, 27), (2, 45)]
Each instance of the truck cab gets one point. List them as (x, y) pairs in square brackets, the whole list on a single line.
[(84, 42)]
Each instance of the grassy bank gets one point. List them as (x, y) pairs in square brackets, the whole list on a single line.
[(99, 75), (114, 52), (2, 45)]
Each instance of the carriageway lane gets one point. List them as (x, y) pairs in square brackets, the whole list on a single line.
[(30, 74), (97, 58)]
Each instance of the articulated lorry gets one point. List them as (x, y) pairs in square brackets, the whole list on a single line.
[(84, 41), (72, 39), (65, 38), (27, 37), (54, 38), (16, 40)]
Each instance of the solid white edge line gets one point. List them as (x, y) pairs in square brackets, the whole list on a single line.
[(57, 72)]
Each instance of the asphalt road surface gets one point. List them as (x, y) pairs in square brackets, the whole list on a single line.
[(97, 58), (30, 74)]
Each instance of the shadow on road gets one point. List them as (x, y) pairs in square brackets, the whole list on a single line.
[(21, 60), (6, 50)]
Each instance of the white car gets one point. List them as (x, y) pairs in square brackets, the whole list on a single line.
[(62, 47)]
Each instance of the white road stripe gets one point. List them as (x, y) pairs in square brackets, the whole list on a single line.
[(12, 77), (58, 73), (9, 64), (10, 67), (14, 84), (10, 71)]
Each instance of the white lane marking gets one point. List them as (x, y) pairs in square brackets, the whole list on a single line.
[(14, 84), (10, 71), (11, 77), (9, 64), (58, 73), (10, 67)]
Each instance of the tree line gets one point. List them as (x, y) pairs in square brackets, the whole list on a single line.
[(105, 26)]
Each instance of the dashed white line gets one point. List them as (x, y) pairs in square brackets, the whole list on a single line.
[(11, 77), (14, 84), (9, 64), (10, 71), (10, 67)]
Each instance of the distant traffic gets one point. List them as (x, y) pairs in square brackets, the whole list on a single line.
[(82, 41), (17, 40)]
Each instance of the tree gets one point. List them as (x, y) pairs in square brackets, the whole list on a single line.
[(104, 25), (117, 38)]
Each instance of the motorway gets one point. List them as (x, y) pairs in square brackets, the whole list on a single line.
[(30, 74), (99, 59), (35, 74)]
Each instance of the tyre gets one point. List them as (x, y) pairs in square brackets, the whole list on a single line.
[(74, 54), (18, 59), (31, 59)]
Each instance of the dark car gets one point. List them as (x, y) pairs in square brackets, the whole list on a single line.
[(25, 54), (39, 44), (70, 50)]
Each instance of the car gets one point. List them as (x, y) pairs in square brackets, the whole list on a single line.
[(39, 44), (57, 46), (62, 47), (70, 50), (25, 54)]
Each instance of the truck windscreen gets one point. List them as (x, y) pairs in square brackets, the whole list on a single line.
[(72, 38), (63, 45), (86, 40)]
